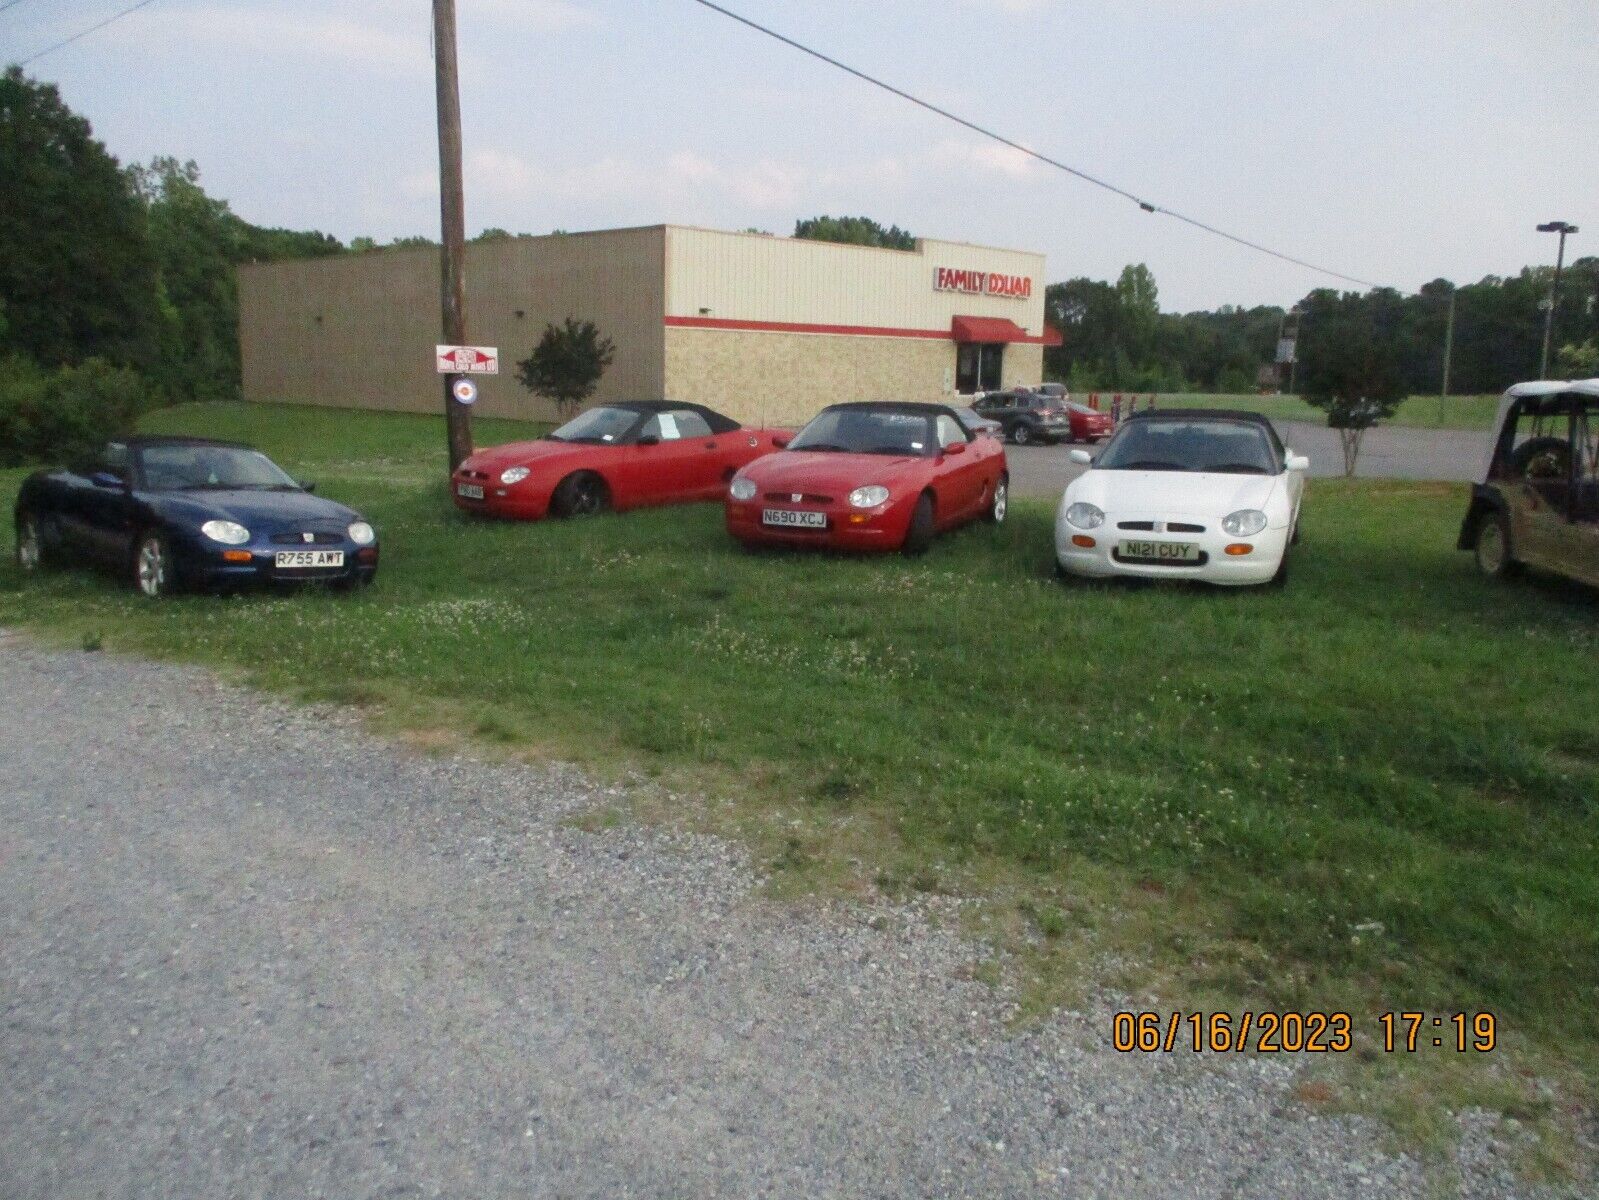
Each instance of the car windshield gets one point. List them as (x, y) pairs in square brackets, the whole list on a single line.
[(868, 431), (1172, 444), (189, 467), (1082, 409), (603, 426)]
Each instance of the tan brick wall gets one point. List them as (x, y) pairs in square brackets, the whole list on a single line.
[(785, 378), (357, 331)]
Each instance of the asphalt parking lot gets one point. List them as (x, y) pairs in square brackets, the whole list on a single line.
[(252, 950), (1390, 452)]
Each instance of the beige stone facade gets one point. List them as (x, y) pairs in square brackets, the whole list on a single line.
[(765, 329), (785, 378)]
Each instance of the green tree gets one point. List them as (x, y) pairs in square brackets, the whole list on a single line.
[(76, 266), (1350, 361), (567, 363), (854, 231)]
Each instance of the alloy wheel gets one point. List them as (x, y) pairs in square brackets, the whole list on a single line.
[(29, 552), (1490, 548), (152, 568), (1001, 501)]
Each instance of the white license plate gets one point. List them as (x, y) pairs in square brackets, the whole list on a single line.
[(1160, 551), (471, 491), (301, 560), (791, 519)]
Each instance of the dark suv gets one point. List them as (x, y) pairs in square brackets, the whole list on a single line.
[(1027, 417), (1539, 504)]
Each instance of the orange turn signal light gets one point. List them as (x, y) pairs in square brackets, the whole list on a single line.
[(240, 556), (1083, 540), (1238, 548), (858, 518)]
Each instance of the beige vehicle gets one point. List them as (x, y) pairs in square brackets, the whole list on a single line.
[(1538, 504)]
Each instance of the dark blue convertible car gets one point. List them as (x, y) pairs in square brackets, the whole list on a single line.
[(170, 512)]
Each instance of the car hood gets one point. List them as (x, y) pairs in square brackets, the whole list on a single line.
[(259, 512), (1190, 492), (536, 454), (831, 473)]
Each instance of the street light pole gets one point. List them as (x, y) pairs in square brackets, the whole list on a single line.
[(452, 220), (1562, 228)]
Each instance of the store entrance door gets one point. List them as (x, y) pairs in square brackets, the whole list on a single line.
[(979, 366)]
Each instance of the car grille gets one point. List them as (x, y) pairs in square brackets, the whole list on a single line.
[(1175, 564), (805, 498), (465, 473), (1171, 526), (298, 539)]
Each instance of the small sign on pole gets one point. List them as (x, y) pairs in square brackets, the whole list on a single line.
[(464, 390), (467, 360)]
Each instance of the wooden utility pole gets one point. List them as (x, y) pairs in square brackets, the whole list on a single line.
[(452, 213)]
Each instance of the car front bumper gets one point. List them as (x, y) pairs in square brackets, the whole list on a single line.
[(525, 501), (1102, 560), (881, 529), (210, 568)]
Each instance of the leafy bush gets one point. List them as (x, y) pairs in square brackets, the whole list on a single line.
[(51, 416)]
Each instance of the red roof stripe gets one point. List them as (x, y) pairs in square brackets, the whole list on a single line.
[(836, 330)]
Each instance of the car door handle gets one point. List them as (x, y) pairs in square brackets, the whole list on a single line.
[(710, 445)]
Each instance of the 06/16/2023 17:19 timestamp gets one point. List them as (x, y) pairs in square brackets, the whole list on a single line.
[(1295, 1032)]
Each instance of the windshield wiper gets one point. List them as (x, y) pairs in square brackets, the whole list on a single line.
[(1238, 469), (1150, 464), (823, 446), (898, 451), (553, 437)]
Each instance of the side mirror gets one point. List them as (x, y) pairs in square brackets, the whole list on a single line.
[(1297, 462), (105, 479), (955, 448), (308, 485), (650, 439), (780, 443), (1081, 457)]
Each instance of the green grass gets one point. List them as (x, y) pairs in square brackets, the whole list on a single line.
[(1456, 412), (1378, 789)]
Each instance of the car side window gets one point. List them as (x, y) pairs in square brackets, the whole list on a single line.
[(689, 423), (950, 431), (114, 459), (662, 427)]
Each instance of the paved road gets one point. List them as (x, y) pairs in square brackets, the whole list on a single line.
[(1390, 452), (249, 950)]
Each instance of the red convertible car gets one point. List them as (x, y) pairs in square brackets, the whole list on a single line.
[(873, 476), (615, 456)]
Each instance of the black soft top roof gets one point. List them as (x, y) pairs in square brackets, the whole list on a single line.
[(177, 439), (908, 406), (1200, 414), (717, 422)]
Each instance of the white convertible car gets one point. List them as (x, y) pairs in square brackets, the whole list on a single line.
[(1184, 494)]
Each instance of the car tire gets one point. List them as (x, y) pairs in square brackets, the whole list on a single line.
[(1491, 550), (920, 534), (1021, 433), (154, 573), (999, 502), (581, 494), (32, 554)]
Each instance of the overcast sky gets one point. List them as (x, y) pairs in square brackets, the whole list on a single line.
[(1396, 141)]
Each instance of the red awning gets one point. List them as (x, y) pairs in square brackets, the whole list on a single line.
[(987, 329), (1053, 336)]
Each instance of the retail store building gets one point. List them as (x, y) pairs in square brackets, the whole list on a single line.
[(766, 329)]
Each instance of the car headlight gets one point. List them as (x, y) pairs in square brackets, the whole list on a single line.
[(514, 474), (742, 489), (1246, 522), (869, 496), (229, 533), (363, 534), (1085, 516)]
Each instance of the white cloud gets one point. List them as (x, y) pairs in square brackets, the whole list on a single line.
[(374, 42)]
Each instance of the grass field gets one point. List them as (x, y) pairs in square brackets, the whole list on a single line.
[(1377, 789), (1456, 412)]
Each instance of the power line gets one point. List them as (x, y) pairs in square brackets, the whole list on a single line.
[(78, 36), (1146, 205)]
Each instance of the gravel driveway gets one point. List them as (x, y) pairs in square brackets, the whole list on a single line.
[(249, 949)]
